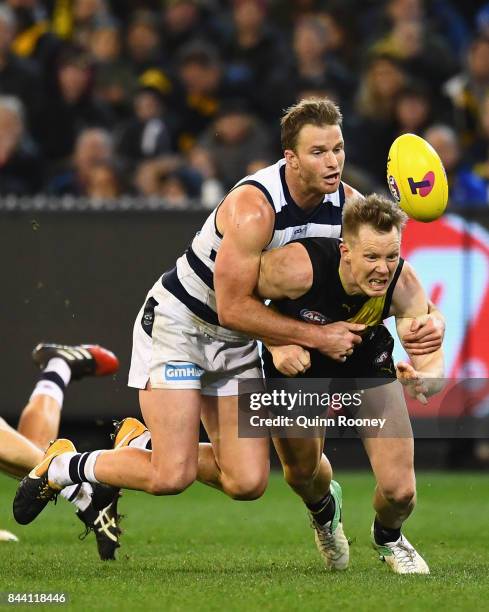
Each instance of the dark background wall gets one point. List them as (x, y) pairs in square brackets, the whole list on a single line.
[(80, 277)]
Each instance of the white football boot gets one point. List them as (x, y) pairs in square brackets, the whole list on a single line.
[(330, 538), (401, 556), (7, 536)]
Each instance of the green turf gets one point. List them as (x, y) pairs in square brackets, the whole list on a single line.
[(201, 551)]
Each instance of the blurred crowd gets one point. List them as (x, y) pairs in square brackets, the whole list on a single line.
[(178, 99)]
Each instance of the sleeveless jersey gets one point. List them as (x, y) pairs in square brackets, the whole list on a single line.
[(192, 280), (327, 302)]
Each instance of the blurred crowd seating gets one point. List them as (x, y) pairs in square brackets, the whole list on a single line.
[(175, 100)]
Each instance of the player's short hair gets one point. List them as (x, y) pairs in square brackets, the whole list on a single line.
[(375, 210), (309, 111)]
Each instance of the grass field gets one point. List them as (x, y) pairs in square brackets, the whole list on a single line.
[(201, 551)]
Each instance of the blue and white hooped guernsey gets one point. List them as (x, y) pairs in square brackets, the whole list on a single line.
[(192, 280)]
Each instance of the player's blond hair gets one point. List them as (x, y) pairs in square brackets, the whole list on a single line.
[(375, 210), (309, 111)]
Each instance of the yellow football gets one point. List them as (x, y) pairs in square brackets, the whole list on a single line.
[(416, 178)]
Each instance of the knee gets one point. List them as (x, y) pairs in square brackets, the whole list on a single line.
[(245, 488), (300, 474), (171, 483), (400, 495)]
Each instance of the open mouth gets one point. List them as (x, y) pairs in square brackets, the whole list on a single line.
[(378, 283), (331, 178)]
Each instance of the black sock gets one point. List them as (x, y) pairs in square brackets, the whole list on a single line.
[(323, 510), (383, 535), (53, 377)]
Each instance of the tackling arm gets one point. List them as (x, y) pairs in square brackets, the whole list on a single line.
[(246, 221), (409, 302)]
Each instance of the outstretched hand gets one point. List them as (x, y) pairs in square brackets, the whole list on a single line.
[(413, 380)]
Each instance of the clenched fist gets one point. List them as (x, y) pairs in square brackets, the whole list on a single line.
[(290, 360)]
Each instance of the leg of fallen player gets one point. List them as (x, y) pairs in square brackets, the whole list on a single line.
[(21, 451), (18, 455), (39, 421)]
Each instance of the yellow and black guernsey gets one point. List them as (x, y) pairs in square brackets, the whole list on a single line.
[(327, 302)]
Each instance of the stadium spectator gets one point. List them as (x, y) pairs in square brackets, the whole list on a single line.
[(288, 14), (186, 22), (236, 142), (198, 54), (381, 81), (374, 130), (103, 182), (20, 163), (424, 56), (34, 38), (143, 42), (482, 21), (174, 190), (115, 82), (466, 189), (71, 108), (413, 110), (479, 152), (255, 52), (201, 77), (146, 134), (341, 38), (212, 190), (310, 60), (87, 16), (168, 178), (467, 89), (92, 148), (18, 77)]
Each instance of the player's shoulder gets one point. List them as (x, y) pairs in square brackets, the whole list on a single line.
[(248, 198), (408, 277), (320, 247), (321, 242), (245, 207), (408, 289), (351, 193)]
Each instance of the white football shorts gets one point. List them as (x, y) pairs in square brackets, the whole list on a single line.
[(174, 349)]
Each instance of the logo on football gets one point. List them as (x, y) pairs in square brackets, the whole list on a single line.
[(394, 189)]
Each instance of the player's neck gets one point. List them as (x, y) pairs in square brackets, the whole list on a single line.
[(304, 198)]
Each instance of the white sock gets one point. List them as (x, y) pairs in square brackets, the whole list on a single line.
[(59, 470), (49, 387), (141, 441), (90, 466), (60, 367), (82, 493)]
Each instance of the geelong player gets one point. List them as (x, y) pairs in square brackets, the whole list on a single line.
[(22, 449), (361, 279), (192, 336)]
